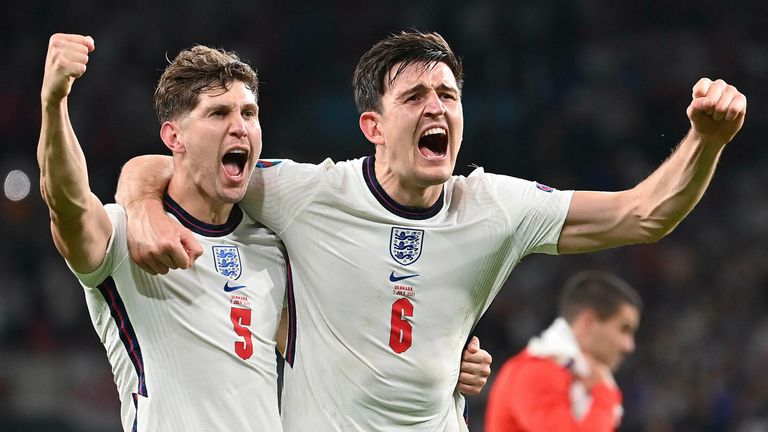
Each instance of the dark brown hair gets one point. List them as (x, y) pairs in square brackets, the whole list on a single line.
[(371, 74), (600, 291), (196, 70)]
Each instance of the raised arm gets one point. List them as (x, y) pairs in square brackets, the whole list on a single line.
[(653, 208), (156, 242), (79, 224)]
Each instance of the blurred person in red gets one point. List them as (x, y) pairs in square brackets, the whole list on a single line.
[(563, 380)]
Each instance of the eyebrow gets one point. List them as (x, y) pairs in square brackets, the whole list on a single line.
[(421, 88), (229, 107)]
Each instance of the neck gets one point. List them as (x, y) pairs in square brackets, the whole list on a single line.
[(196, 203), (580, 330), (403, 192)]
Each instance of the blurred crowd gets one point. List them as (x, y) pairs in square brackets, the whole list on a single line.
[(579, 94)]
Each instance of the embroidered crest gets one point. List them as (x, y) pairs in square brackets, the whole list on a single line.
[(227, 260), (405, 244)]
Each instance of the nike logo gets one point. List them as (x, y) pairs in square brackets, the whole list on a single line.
[(228, 288), (394, 278)]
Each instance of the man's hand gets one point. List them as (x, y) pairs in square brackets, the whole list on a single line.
[(475, 368), (716, 111), (66, 60), (158, 244)]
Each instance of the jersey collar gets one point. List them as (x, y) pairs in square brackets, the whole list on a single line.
[(416, 213), (200, 227)]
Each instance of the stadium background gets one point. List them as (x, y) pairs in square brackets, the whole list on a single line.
[(581, 94)]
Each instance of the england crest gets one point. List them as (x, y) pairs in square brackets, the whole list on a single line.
[(227, 260), (405, 244)]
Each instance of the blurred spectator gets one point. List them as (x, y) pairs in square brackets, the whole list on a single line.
[(563, 379)]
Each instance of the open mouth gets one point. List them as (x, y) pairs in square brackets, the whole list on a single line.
[(434, 143), (234, 162)]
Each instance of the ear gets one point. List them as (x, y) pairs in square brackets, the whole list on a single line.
[(171, 136), (587, 318), (369, 124)]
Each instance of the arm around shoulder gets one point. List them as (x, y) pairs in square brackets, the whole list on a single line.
[(144, 178), (156, 243)]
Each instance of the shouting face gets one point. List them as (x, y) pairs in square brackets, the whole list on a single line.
[(418, 131), (215, 148)]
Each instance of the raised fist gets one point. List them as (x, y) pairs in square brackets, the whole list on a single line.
[(66, 60)]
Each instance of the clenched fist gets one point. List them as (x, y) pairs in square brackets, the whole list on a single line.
[(716, 111), (66, 60)]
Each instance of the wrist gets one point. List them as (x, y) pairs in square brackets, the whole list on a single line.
[(51, 105), (706, 142)]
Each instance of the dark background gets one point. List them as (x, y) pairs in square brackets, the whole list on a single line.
[(579, 94)]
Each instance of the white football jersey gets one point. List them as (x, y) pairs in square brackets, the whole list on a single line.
[(193, 350), (385, 295)]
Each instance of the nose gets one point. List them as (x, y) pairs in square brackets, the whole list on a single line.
[(237, 126), (434, 106), (629, 346)]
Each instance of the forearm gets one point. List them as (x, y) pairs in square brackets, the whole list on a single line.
[(63, 172), (156, 243), (653, 208), (670, 193), (143, 179), (79, 225)]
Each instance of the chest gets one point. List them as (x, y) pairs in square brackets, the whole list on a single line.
[(372, 258)]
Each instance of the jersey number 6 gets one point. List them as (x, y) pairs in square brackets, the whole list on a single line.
[(401, 330)]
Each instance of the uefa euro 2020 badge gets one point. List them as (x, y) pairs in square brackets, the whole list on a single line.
[(405, 244), (227, 261)]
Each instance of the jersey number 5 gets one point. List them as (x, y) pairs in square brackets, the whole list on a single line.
[(401, 330), (241, 319)]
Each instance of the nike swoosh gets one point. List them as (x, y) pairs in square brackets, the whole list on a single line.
[(228, 288), (394, 278)]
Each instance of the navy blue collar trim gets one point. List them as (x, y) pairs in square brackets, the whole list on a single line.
[(200, 227), (416, 213)]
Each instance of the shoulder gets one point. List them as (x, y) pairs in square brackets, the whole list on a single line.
[(511, 192), (480, 177), (267, 170), (526, 368), (116, 249), (291, 165), (497, 188)]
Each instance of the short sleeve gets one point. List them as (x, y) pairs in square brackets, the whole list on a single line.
[(537, 212), (279, 189), (117, 249)]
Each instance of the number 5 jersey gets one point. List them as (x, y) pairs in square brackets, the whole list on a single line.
[(193, 350)]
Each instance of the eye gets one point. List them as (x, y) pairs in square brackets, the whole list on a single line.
[(249, 113), (218, 113), (413, 98), (448, 96)]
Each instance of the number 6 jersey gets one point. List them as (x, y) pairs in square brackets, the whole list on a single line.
[(193, 350), (384, 295)]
